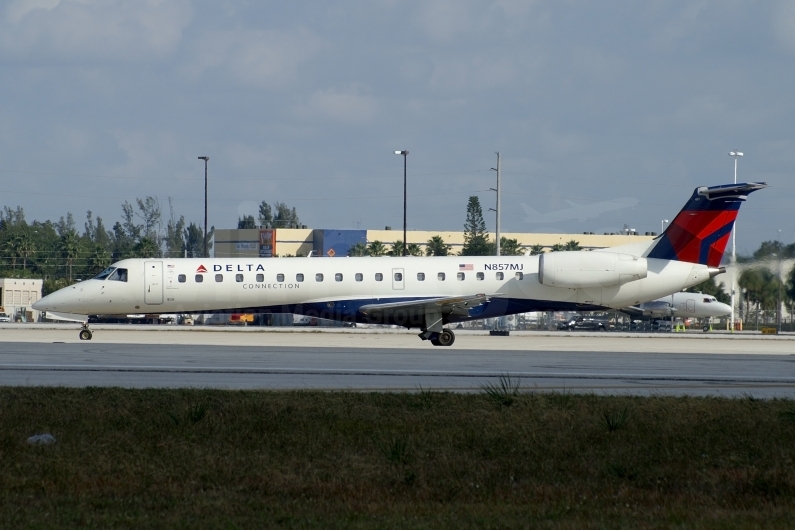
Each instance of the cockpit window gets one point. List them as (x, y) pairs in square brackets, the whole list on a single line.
[(707, 300), (104, 274), (119, 275)]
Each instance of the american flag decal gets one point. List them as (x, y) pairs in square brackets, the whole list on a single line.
[(466, 267)]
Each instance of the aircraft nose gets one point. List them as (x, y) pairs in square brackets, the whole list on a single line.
[(722, 309), (57, 301)]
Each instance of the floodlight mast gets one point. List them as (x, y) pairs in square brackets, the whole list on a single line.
[(206, 159), (736, 154), (497, 209), (405, 154)]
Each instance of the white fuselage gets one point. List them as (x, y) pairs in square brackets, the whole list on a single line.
[(685, 305), (337, 287)]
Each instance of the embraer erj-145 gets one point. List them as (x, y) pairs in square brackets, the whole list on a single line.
[(422, 292)]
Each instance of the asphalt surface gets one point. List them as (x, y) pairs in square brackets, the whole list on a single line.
[(699, 364)]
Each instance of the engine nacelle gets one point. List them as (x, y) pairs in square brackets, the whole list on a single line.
[(657, 309), (582, 270)]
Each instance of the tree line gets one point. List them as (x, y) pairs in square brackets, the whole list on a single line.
[(59, 252)]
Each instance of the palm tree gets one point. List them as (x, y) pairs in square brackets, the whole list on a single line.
[(12, 248), (437, 247), (376, 248), (146, 248), (572, 245), (536, 250), (69, 247), (26, 248), (557, 247), (99, 259), (359, 249), (510, 247), (414, 250)]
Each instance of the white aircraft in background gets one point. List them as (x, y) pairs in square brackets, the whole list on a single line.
[(422, 292), (682, 304)]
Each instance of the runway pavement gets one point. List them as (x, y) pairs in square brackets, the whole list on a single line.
[(606, 363)]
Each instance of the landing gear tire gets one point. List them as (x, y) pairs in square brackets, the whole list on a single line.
[(705, 328), (445, 338), (85, 334)]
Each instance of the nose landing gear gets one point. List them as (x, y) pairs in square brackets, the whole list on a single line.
[(85, 333)]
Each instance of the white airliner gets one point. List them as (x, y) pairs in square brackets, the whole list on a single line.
[(421, 292), (682, 304)]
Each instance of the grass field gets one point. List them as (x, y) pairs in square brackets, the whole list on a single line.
[(229, 459)]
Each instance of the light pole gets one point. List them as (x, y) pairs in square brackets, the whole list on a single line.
[(780, 281), (206, 159), (499, 202), (736, 154), (662, 226), (405, 154)]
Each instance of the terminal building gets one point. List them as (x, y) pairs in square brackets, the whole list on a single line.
[(283, 242)]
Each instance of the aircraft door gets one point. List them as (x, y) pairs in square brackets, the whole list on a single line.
[(398, 279), (153, 282), (691, 306)]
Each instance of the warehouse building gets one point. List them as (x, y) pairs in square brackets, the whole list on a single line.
[(255, 242), (17, 295)]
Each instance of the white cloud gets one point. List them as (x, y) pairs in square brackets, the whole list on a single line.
[(348, 107), (86, 30), (263, 59)]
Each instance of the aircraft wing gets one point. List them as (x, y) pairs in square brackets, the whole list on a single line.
[(449, 305)]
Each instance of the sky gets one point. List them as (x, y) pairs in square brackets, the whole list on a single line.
[(105, 101)]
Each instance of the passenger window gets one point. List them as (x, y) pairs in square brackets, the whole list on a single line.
[(199, 278), (280, 278), (461, 276), (299, 277), (479, 276), (260, 277), (219, 278), (238, 278), (440, 276), (181, 278), (519, 275), (398, 276), (119, 275), (359, 276), (379, 277), (318, 277), (421, 276), (500, 276), (338, 277)]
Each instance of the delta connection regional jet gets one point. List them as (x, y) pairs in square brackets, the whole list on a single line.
[(422, 292)]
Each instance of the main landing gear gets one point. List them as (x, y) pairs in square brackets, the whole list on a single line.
[(445, 338), (85, 333)]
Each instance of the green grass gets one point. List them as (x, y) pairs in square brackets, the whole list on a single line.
[(223, 459)]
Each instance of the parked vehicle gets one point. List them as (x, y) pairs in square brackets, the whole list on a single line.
[(4, 317), (589, 324)]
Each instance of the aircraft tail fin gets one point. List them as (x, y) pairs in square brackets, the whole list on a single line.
[(700, 231)]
